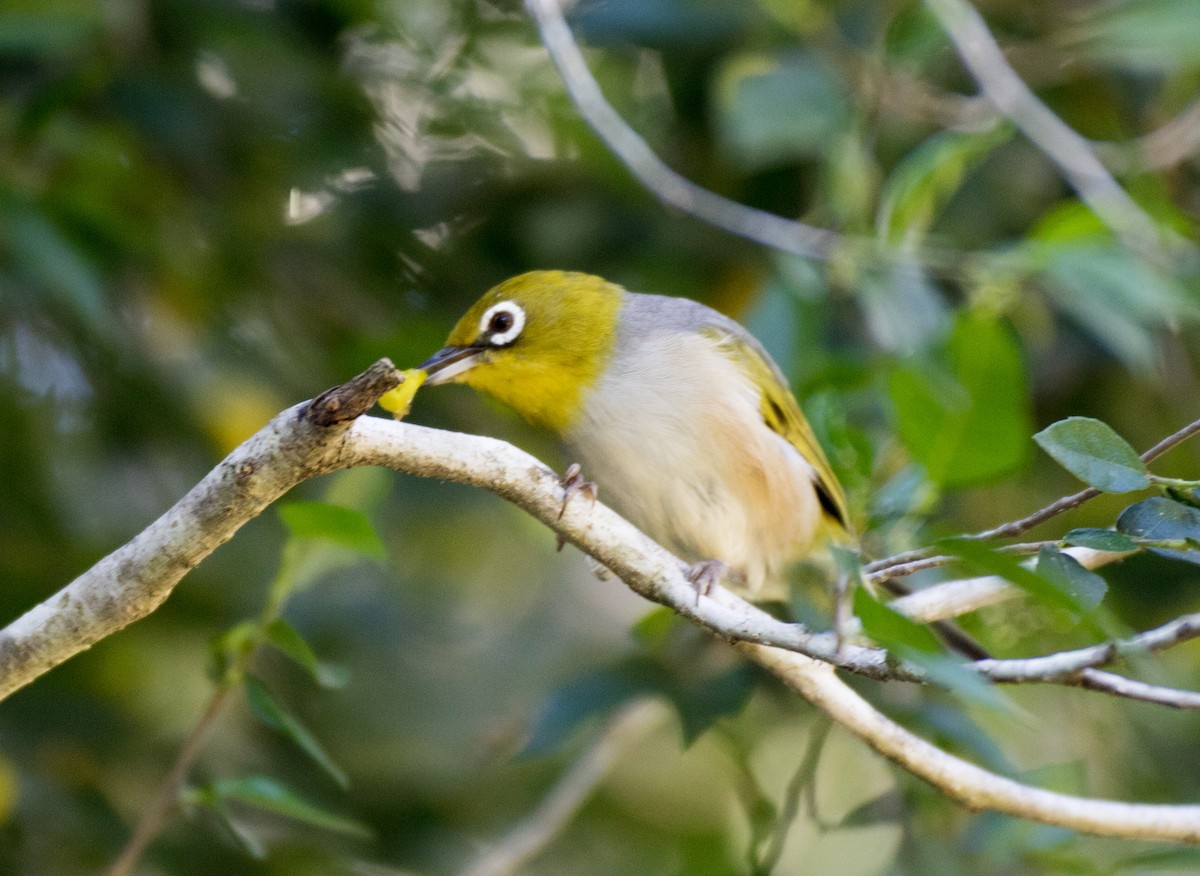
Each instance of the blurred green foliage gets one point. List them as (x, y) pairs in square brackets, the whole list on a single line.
[(209, 211)]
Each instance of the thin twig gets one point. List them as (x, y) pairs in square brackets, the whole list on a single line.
[(1069, 150), (167, 797), (1161, 149), (557, 808), (1014, 528), (1120, 686), (920, 564), (971, 785), (786, 235)]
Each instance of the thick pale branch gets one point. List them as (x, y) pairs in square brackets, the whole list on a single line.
[(133, 580), (970, 785)]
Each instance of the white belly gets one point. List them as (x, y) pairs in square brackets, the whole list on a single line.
[(683, 452)]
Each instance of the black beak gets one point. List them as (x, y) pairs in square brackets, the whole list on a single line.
[(447, 362)]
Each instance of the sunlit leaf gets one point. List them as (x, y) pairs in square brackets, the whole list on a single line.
[(342, 526), (268, 710), (928, 177), (1094, 453), (966, 418), (1149, 35)]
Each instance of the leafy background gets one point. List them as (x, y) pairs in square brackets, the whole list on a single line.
[(211, 211)]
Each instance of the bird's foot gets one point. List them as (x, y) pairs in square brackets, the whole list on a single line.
[(573, 484), (706, 574)]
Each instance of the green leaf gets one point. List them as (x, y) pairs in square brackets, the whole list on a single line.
[(284, 637), (268, 710), (228, 647), (928, 176), (1120, 300), (892, 630), (770, 111), (250, 844), (966, 418), (1010, 569), (342, 526), (1094, 453), (1158, 36), (1101, 540), (1162, 519), (1085, 588), (918, 644), (272, 795), (596, 693)]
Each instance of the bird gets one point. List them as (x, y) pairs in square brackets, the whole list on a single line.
[(677, 413), (682, 417)]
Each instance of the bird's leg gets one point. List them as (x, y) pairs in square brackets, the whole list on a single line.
[(706, 574), (573, 483), (843, 608)]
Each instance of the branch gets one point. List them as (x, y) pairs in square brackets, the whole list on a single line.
[(972, 786), (134, 579), (876, 570), (786, 235), (1069, 150), (569, 793)]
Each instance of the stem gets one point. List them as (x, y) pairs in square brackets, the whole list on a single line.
[(1017, 527), (168, 793)]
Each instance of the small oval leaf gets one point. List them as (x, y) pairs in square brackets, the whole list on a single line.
[(1101, 540), (1084, 588), (1161, 519), (1094, 453)]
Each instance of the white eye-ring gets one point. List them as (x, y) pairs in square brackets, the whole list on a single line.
[(501, 323)]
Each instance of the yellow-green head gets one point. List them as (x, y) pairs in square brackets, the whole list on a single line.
[(537, 342)]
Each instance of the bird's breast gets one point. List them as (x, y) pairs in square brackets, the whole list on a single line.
[(674, 437)]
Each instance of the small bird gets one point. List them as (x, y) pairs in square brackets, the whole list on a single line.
[(681, 417)]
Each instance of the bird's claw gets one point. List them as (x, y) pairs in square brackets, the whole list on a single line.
[(573, 484), (705, 575)]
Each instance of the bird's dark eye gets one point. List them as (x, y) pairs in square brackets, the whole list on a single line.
[(501, 322)]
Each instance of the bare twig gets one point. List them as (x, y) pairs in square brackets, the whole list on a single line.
[(133, 580), (1119, 685), (1069, 150), (1177, 140), (167, 798), (557, 808), (786, 235)]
